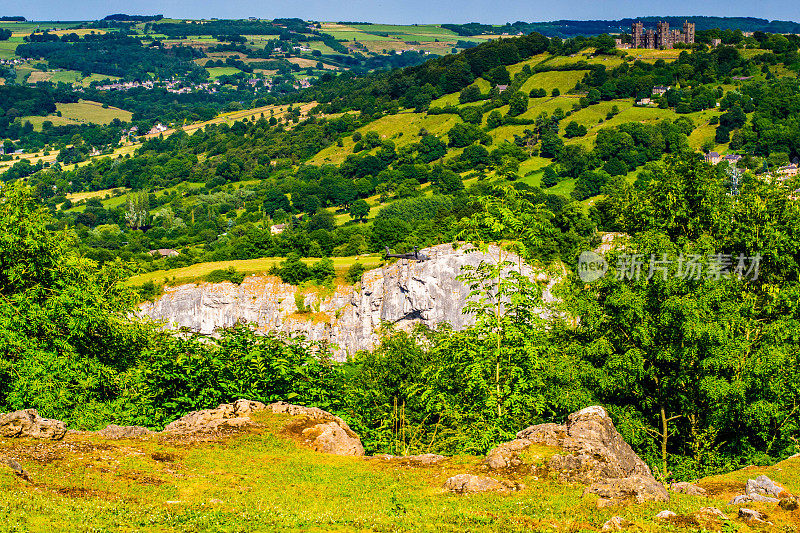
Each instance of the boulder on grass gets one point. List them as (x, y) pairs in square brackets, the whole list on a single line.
[(594, 453), (227, 415), (320, 430), (683, 487), (28, 423), (466, 483)]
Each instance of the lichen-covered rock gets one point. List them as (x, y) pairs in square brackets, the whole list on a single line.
[(666, 514), (115, 432), (507, 455), (227, 415), (789, 503), (764, 486), (28, 423), (615, 523), (596, 455), (320, 430), (466, 483), (711, 513), (405, 293), (621, 491), (684, 487), (753, 517)]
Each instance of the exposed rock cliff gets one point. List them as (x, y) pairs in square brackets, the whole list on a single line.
[(403, 293)]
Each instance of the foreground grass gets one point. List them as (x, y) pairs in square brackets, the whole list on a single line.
[(260, 480)]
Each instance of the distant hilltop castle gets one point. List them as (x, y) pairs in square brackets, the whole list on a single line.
[(662, 37)]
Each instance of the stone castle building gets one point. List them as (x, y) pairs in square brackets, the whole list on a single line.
[(662, 37)]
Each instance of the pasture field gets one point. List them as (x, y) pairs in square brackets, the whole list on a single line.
[(198, 271), (82, 112)]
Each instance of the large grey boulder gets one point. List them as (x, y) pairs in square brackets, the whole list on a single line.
[(28, 423), (760, 489), (320, 430), (591, 452)]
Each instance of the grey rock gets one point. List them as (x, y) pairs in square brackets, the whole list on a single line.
[(764, 486), (28, 423), (789, 503), (115, 432), (752, 517), (465, 483), (16, 467), (404, 294), (597, 455), (684, 487), (711, 513), (755, 497), (665, 515), (615, 523), (507, 455)]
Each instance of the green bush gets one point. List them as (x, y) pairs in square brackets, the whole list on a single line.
[(226, 274)]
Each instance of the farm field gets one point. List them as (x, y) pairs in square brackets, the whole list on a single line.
[(197, 271), (82, 112)]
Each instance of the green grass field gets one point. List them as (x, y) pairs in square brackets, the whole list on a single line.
[(216, 72), (81, 112), (562, 80), (198, 271), (262, 479)]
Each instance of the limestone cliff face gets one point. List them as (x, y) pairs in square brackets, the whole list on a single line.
[(403, 293)]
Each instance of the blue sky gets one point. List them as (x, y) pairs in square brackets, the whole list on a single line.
[(401, 12)]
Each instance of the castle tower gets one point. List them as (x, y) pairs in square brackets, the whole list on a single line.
[(637, 28), (662, 35), (650, 39), (688, 32)]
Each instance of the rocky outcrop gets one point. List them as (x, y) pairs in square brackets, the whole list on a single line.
[(404, 293), (752, 517), (227, 415), (115, 432), (596, 455), (319, 430), (28, 423), (466, 483)]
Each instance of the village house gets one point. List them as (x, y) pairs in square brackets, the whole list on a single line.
[(715, 42), (661, 90), (788, 171), (165, 252), (502, 88), (644, 102), (158, 128), (277, 229), (712, 157), (731, 158)]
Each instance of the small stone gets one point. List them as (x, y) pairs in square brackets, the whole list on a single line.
[(665, 515), (215, 500), (615, 523), (465, 483), (789, 504), (711, 512), (752, 517), (683, 487), (17, 468)]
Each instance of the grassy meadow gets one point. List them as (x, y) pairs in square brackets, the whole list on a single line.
[(260, 479)]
